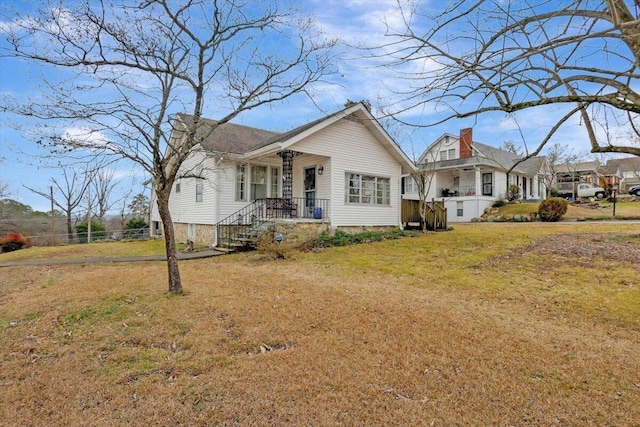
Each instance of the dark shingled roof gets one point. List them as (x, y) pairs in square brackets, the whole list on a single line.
[(495, 157), (229, 137)]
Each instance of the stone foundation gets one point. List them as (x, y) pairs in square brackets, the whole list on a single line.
[(205, 234), (296, 232)]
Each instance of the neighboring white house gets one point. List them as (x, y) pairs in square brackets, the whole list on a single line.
[(469, 176), (343, 170)]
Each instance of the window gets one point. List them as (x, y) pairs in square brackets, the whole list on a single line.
[(452, 154), (443, 155), (487, 184), (199, 190), (367, 189), (258, 182), (275, 182), (410, 185), (199, 184), (177, 187), (459, 209), (241, 182)]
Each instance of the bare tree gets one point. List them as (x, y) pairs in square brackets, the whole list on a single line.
[(102, 187), (68, 193), (581, 57), (556, 156), (4, 190), (142, 62)]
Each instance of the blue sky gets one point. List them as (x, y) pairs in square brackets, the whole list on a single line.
[(353, 21)]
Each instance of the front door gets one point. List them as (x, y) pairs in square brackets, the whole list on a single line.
[(524, 188), (309, 191)]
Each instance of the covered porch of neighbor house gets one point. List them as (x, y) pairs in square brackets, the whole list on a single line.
[(464, 183)]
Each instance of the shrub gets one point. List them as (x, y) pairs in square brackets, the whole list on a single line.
[(98, 231), (552, 209), (341, 238), (14, 241), (513, 193), (135, 227), (269, 248), (499, 203)]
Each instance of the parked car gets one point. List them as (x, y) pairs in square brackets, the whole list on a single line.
[(585, 190), (634, 190)]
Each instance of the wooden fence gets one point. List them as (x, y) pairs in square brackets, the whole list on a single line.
[(436, 215)]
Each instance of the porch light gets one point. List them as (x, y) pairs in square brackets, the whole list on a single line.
[(320, 170)]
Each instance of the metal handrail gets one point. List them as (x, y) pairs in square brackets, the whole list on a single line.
[(241, 222), (244, 222)]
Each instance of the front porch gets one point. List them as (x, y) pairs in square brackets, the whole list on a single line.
[(242, 229)]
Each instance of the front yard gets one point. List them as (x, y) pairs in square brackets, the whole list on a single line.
[(489, 324)]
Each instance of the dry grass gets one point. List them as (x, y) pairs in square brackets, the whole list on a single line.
[(472, 327), (113, 248)]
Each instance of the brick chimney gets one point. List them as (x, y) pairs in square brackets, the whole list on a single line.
[(466, 138)]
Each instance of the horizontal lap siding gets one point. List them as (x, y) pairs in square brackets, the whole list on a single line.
[(352, 148), (183, 205), (227, 186)]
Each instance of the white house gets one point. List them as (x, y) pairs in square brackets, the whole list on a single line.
[(342, 170), (469, 176)]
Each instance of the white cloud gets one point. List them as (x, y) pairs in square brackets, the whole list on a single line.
[(84, 137)]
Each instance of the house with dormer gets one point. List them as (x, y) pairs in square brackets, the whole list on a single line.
[(468, 176)]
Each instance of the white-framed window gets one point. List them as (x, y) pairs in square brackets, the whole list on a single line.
[(199, 184), (460, 208), (367, 189), (241, 183), (258, 182), (275, 182), (452, 153), (443, 155), (410, 185)]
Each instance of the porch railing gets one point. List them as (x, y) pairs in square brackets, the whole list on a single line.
[(297, 207), (457, 191), (241, 227)]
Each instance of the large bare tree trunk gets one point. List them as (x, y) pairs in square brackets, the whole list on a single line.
[(175, 284)]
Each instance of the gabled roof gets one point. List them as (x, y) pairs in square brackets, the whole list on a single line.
[(590, 166), (626, 164), (486, 155), (229, 137), (248, 141)]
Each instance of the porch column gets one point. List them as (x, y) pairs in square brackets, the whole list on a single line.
[(287, 180), (478, 182)]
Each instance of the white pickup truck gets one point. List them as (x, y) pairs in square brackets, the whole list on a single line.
[(585, 190)]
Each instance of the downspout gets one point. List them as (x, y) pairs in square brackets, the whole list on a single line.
[(216, 201)]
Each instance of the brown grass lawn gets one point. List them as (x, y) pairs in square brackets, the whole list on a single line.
[(489, 324)]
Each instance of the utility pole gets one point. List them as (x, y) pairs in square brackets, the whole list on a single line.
[(53, 216), (88, 214)]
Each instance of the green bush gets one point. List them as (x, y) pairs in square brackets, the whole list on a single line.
[(552, 209), (98, 231), (341, 238), (135, 227), (499, 203), (513, 193)]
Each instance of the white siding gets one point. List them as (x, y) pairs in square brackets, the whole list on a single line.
[(227, 185), (352, 148), (183, 205)]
